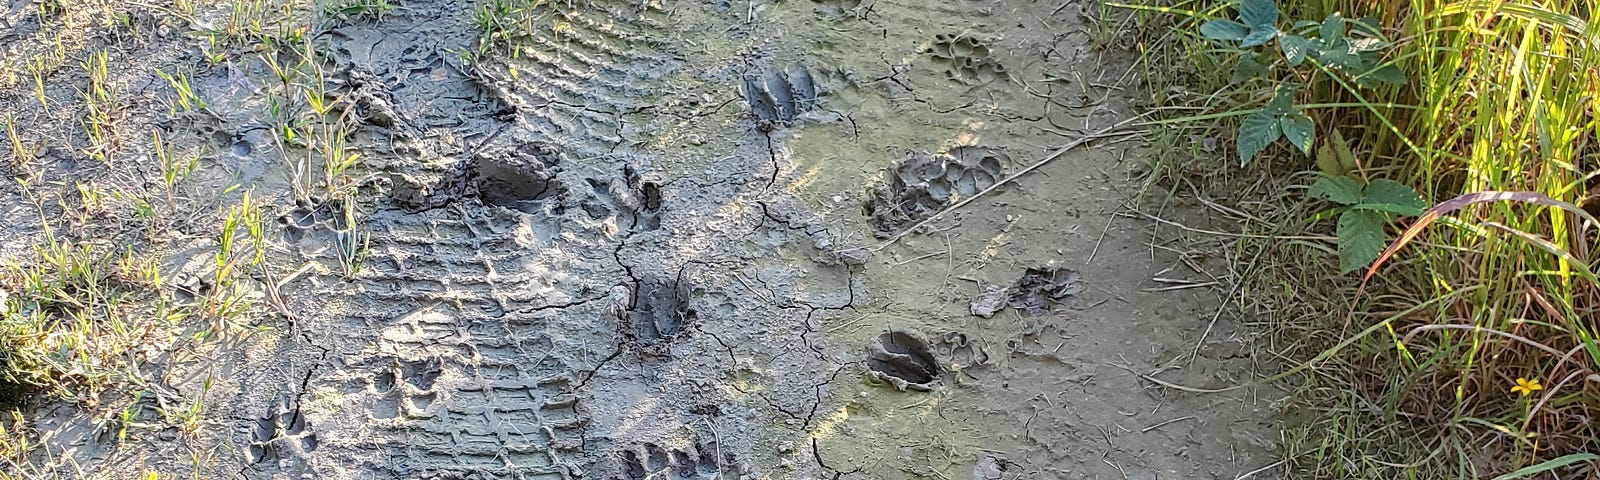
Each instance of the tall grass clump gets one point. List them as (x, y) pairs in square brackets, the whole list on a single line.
[(1486, 359), (73, 316)]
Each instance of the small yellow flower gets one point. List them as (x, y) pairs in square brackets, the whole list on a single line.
[(1526, 387)]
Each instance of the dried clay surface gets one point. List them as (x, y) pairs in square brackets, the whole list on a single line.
[(640, 242)]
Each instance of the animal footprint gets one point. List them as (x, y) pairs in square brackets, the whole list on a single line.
[(903, 360), (517, 177), (966, 59), (921, 185), (660, 311), (963, 353), (406, 389), (281, 433), (627, 204), (652, 462), (777, 98)]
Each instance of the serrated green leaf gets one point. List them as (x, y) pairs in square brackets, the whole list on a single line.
[(1389, 192), (1299, 129), (1224, 30), (1258, 38), (1360, 239), (1340, 58), (1341, 151), (1247, 69), (1282, 102), (1259, 14), (1337, 189), (1327, 161), (1303, 25), (1294, 48), (1389, 74), (1389, 208), (1332, 27), (1256, 132)]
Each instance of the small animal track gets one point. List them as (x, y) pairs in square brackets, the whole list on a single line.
[(653, 462), (903, 360), (962, 351), (629, 204), (406, 390), (777, 98), (966, 59), (921, 185), (281, 433), (660, 312)]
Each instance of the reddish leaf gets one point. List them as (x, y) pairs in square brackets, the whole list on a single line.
[(1455, 204)]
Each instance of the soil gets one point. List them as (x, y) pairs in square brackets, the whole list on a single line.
[(651, 245)]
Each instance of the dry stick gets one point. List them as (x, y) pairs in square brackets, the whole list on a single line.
[(1238, 281), (1163, 424), (1425, 328), (1103, 232), (1252, 473), (1324, 238), (1111, 131)]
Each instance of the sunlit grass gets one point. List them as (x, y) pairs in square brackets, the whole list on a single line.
[(1501, 98)]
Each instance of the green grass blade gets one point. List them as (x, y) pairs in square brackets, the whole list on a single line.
[(1548, 465)]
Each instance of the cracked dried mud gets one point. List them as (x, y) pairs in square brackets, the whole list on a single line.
[(637, 245)]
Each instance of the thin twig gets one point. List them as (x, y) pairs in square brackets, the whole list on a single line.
[(1413, 333), (1184, 286), (1103, 231), (1238, 281), (1163, 424), (1114, 130), (1248, 474), (934, 254), (1323, 238)]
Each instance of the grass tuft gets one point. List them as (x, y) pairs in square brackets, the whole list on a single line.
[(72, 316), (1499, 97)]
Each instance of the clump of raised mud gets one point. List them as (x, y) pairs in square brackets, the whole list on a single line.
[(1036, 293), (516, 176)]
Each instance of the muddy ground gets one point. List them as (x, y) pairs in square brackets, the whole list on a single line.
[(650, 240)]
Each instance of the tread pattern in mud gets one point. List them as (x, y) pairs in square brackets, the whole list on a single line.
[(488, 300), (471, 382), (561, 99), (524, 311)]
